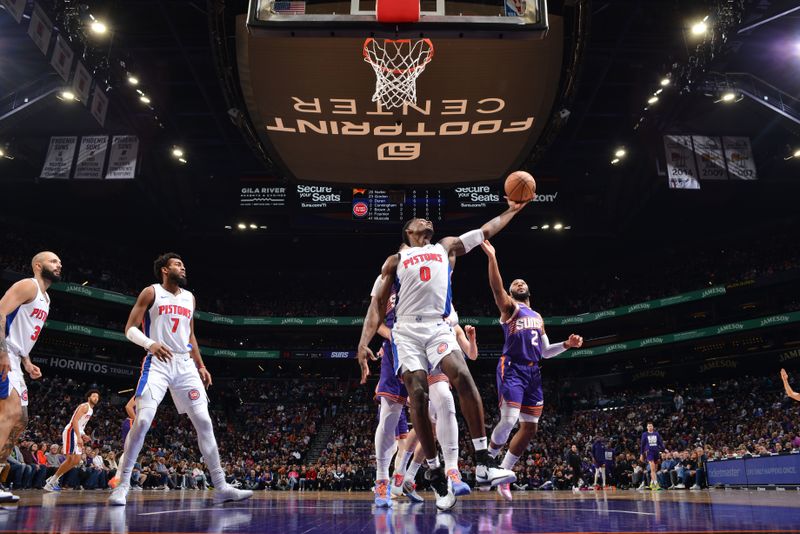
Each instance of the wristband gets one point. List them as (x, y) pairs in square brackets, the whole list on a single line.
[(471, 239)]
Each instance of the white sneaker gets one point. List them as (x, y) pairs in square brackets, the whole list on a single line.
[(445, 498), (681, 486), (119, 496), (695, 487), (52, 484), (8, 497), (136, 488), (397, 485), (231, 494), (492, 476), (505, 491)]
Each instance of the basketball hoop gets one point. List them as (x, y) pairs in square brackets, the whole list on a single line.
[(397, 64)]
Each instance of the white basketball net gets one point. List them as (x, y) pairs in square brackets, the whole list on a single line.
[(397, 65)]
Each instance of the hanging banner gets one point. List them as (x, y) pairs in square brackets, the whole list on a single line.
[(739, 156), (58, 162), (99, 105), (681, 168), (62, 58), (15, 7), (710, 158), (515, 8), (122, 162), (81, 83), (91, 157), (40, 29)]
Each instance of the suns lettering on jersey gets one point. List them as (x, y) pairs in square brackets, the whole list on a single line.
[(528, 323)]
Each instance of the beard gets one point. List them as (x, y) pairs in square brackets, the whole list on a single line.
[(521, 296), (181, 281), (50, 276)]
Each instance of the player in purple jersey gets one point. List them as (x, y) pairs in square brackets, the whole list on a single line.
[(599, 460), (651, 448), (519, 380)]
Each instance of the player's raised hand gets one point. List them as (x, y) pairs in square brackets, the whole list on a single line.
[(33, 370), (160, 351), (205, 376), (574, 342), (784, 375), (469, 330), (488, 248), (514, 205), (364, 354)]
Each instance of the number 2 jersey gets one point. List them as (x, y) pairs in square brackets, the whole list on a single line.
[(523, 333), (423, 274), (169, 319)]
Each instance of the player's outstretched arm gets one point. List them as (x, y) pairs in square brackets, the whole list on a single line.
[(375, 315), (136, 317), (789, 391), (464, 243), (503, 300), (18, 294), (467, 340)]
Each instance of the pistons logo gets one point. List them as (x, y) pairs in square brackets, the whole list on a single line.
[(441, 348), (194, 395), (360, 209), (24, 395)]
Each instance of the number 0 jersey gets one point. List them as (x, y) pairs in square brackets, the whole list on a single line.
[(523, 334), (424, 277), (24, 324), (169, 319)]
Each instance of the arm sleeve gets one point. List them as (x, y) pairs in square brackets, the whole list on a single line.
[(471, 239), (551, 351)]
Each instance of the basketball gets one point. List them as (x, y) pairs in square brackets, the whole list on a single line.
[(520, 186)]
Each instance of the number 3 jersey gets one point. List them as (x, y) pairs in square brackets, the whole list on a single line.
[(523, 334), (24, 324), (424, 277), (169, 319)]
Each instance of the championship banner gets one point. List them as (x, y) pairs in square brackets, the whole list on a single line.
[(62, 58), (15, 7), (681, 168), (99, 105), (710, 158), (515, 8), (81, 83), (58, 162), (91, 157), (739, 156), (40, 29), (122, 162)]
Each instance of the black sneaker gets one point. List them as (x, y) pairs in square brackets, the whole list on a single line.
[(445, 499)]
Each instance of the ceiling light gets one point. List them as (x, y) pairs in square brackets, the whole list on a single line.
[(133, 80), (241, 226), (263, 227), (228, 227), (177, 152), (620, 153), (664, 82), (98, 27), (182, 160), (728, 96), (797, 153), (558, 226), (534, 227), (699, 28), (658, 92), (144, 99), (2, 153), (253, 226), (652, 100), (67, 95), (568, 228), (615, 161), (545, 226)]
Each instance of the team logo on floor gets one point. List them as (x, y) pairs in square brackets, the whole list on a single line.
[(442, 347), (194, 395)]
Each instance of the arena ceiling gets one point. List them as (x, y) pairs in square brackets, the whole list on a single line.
[(630, 45)]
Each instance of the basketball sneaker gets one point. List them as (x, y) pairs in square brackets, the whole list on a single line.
[(459, 486), (489, 473), (410, 491), (52, 484), (397, 485), (230, 494), (440, 484), (505, 491), (382, 494), (8, 497), (119, 496), (113, 483)]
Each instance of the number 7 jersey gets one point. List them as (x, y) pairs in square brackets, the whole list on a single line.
[(169, 319), (424, 277)]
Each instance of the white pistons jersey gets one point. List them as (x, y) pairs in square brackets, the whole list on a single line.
[(83, 420), (24, 324), (168, 321), (424, 277)]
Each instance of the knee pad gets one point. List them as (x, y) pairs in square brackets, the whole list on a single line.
[(508, 419), (527, 418), (442, 398)]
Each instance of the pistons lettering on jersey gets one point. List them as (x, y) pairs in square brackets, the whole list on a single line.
[(39, 314), (174, 309), (419, 258)]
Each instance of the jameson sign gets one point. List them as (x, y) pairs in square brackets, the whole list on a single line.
[(303, 101)]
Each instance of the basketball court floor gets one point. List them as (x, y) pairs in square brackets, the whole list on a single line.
[(737, 511)]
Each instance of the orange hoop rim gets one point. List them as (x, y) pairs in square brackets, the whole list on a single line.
[(398, 71)]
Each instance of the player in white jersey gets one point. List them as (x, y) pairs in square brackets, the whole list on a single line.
[(166, 312), (73, 437), (23, 312), (425, 341)]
